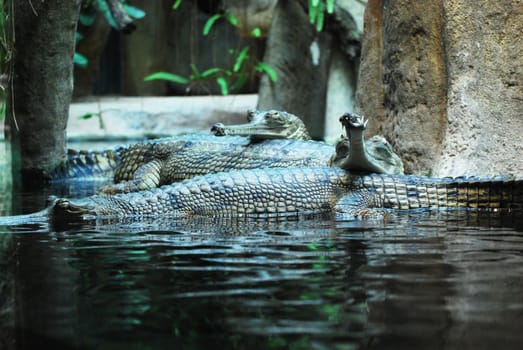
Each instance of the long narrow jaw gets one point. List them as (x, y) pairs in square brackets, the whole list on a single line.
[(356, 158), (265, 125), (352, 122), (257, 130)]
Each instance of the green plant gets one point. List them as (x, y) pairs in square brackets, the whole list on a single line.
[(88, 14), (228, 79), (87, 116), (317, 10), (79, 59)]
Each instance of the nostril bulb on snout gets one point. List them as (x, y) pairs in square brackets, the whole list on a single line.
[(218, 129)]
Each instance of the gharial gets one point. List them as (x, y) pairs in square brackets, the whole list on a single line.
[(261, 125), (267, 141), (283, 192)]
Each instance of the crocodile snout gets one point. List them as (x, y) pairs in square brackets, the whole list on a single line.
[(218, 129)]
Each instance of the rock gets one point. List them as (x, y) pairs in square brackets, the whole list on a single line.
[(443, 82)]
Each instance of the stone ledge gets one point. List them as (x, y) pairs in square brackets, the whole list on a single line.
[(135, 117), (138, 116)]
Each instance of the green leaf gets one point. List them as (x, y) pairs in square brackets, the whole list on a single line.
[(223, 85), (102, 6), (207, 73), (320, 18), (88, 116), (240, 82), (177, 4), (78, 37), (167, 76), (210, 22), (265, 68), (80, 60), (242, 56), (232, 20), (196, 73), (256, 32), (315, 3), (134, 12), (313, 12), (330, 6), (3, 110), (87, 19)]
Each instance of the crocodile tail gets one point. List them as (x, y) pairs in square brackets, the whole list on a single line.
[(485, 193), (82, 164), (411, 192)]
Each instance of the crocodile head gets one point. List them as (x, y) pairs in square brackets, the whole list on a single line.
[(374, 155), (62, 209), (263, 125)]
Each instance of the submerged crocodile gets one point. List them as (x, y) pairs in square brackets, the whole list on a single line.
[(272, 144), (282, 192)]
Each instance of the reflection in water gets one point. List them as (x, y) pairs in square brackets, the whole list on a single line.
[(427, 279)]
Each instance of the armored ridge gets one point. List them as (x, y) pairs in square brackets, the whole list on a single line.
[(103, 163), (280, 192), (254, 144), (88, 164)]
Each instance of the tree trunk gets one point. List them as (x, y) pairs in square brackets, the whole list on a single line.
[(301, 56), (42, 85), (442, 80)]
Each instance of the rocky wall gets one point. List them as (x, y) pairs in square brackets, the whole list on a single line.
[(442, 80)]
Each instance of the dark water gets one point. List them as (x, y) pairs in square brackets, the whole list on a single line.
[(426, 280)]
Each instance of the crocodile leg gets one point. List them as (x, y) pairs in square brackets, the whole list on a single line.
[(146, 177)]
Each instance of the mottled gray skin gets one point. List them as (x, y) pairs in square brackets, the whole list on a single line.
[(269, 139), (280, 192), (154, 164)]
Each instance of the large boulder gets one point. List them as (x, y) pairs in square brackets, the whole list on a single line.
[(443, 82)]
